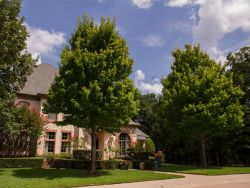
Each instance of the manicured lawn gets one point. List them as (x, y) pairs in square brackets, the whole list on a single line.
[(204, 171), (61, 178)]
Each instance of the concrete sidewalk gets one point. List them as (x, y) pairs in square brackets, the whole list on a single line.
[(190, 181)]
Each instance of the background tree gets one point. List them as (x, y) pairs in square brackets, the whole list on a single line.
[(148, 118), (15, 61), (239, 66), (93, 87), (199, 98)]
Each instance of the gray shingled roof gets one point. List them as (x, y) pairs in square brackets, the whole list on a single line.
[(131, 122), (40, 80), (141, 135)]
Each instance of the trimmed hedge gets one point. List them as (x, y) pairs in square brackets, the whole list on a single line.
[(85, 155), (21, 162), (80, 164)]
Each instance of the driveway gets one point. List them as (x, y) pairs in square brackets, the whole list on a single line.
[(190, 181)]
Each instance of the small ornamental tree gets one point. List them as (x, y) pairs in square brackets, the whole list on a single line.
[(20, 134), (199, 98), (93, 86), (149, 146)]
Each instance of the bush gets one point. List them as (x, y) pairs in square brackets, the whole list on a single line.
[(80, 164), (31, 162), (124, 165), (85, 155), (148, 164), (149, 146), (141, 156), (51, 156)]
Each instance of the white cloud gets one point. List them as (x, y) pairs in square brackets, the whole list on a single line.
[(217, 18), (154, 87), (152, 40), (142, 4), (42, 42), (139, 76), (181, 3)]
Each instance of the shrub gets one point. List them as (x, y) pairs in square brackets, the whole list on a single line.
[(149, 146), (85, 155), (141, 156), (124, 165), (31, 162), (51, 156), (80, 164), (148, 164)]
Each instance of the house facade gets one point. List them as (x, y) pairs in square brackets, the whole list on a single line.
[(64, 139)]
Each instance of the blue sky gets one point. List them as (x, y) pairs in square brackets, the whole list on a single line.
[(152, 28)]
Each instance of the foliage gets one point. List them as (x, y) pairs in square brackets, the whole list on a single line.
[(149, 146), (138, 155), (93, 87), (31, 162), (83, 164), (239, 66), (199, 98), (15, 61), (15, 65), (148, 164), (149, 119), (85, 155), (239, 63), (20, 134), (51, 156)]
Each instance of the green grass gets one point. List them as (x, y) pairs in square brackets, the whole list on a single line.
[(61, 178), (204, 171)]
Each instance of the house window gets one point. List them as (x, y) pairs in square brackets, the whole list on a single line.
[(50, 142), (50, 146), (65, 147), (51, 135), (65, 136), (124, 143), (24, 104), (52, 117)]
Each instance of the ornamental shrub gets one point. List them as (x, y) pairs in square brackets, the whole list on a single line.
[(149, 146)]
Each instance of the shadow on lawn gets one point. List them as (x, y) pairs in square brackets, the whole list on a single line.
[(56, 173), (183, 168)]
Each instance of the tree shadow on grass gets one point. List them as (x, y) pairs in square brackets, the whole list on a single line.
[(183, 168), (57, 173)]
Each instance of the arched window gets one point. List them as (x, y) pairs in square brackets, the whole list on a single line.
[(24, 104), (124, 143)]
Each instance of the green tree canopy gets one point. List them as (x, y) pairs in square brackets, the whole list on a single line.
[(239, 63), (199, 98), (15, 61), (148, 118), (239, 66), (93, 87)]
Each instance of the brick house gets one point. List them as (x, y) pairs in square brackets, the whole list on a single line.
[(63, 139)]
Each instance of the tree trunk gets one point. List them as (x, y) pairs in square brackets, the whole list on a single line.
[(203, 152), (93, 150)]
